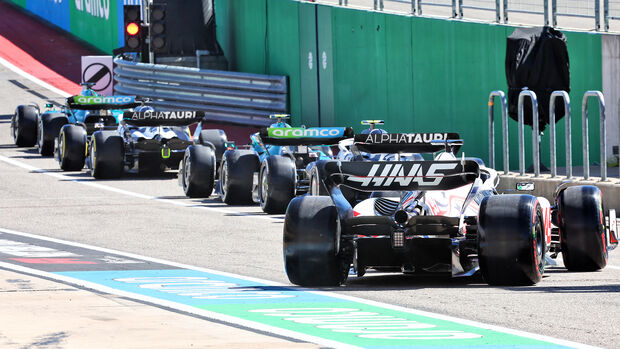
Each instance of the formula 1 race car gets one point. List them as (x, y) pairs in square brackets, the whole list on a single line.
[(273, 170), (84, 116), (145, 141), (439, 216), (29, 127)]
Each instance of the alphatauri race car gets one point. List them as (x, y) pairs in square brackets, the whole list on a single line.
[(145, 141), (272, 169), (439, 216)]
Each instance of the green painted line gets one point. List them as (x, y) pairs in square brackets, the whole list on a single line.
[(334, 318)]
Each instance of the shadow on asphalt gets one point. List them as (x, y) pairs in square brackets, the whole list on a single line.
[(6, 117)]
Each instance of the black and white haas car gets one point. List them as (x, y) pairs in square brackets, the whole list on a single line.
[(146, 141), (438, 216)]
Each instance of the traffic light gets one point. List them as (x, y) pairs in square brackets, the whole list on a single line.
[(134, 38), (157, 28)]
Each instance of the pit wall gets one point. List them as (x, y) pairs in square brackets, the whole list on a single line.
[(419, 74), (98, 22)]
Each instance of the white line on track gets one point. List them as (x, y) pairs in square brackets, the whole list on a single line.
[(32, 78), (252, 324), (92, 183)]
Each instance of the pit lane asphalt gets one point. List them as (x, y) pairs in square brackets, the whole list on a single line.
[(150, 216)]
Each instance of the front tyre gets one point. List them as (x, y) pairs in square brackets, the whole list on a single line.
[(71, 152), (511, 240), (236, 174), (582, 233), (276, 183), (49, 129), (198, 171), (314, 253), (24, 125)]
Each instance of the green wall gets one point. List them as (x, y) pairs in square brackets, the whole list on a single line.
[(419, 74)]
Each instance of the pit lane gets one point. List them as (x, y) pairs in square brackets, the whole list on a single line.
[(151, 217)]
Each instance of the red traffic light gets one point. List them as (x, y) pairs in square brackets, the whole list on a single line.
[(132, 29)]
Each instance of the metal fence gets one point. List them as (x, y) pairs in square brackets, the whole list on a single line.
[(583, 14), (231, 97), (597, 95)]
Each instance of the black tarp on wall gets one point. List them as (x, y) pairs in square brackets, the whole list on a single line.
[(536, 58)]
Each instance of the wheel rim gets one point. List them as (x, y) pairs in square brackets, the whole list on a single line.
[(314, 186), (264, 185), (40, 138), (539, 237), (93, 155), (61, 147), (15, 125), (224, 177), (187, 167)]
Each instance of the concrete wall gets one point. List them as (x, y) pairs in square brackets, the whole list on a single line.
[(611, 88)]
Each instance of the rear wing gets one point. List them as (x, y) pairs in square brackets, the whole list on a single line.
[(305, 136), (162, 118), (398, 175), (403, 142), (102, 102)]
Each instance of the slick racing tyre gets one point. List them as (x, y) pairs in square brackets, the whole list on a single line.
[(24, 125), (106, 155), (511, 240), (217, 138), (198, 171), (236, 174), (313, 254), (582, 233), (276, 183), (49, 129), (71, 151)]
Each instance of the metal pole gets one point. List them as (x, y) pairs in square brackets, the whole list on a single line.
[(603, 129), (505, 11), (502, 99), (606, 14), (584, 137), (569, 165), (413, 11), (381, 5), (375, 5), (597, 14), (521, 137), (460, 9), (546, 11), (535, 133), (419, 7), (454, 14), (498, 13), (554, 12)]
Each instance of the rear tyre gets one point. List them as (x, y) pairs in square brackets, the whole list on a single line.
[(276, 184), (217, 138), (24, 125), (71, 148), (582, 233), (511, 240), (236, 174), (49, 129), (198, 171), (314, 254), (106, 155)]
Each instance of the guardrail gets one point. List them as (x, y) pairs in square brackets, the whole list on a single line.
[(549, 10), (552, 134), (230, 97)]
